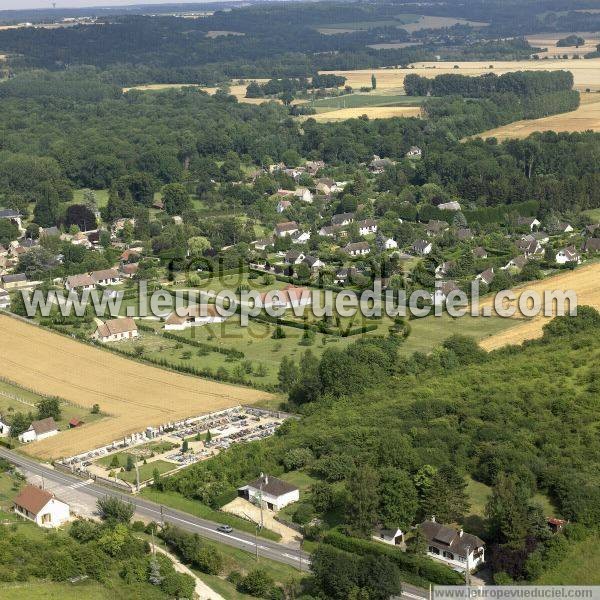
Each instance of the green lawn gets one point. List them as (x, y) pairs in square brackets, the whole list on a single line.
[(300, 479), (193, 507), (580, 566), (362, 100), (144, 450), (398, 20), (101, 197), (594, 214), (146, 471)]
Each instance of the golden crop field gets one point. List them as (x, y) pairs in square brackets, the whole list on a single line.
[(134, 395), (585, 118), (584, 281), (548, 41), (586, 73), (373, 112)]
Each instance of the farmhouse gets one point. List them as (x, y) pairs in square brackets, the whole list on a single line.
[(568, 255), (106, 277), (422, 247), (273, 493), (357, 249), (14, 282), (41, 507), (115, 330), (285, 229), (329, 230), (456, 548), (39, 430), (80, 282), (193, 316), (313, 263)]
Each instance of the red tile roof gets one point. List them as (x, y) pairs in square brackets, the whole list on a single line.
[(33, 499)]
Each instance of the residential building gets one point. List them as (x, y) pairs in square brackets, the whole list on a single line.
[(106, 277), (304, 194), (41, 507), (193, 316), (422, 247), (455, 548), (367, 226), (4, 427), (283, 205), (480, 252), (564, 228), (270, 492), (285, 229), (452, 205), (329, 230), (14, 216), (516, 263), (313, 263), (357, 249), (80, 282), (262, 244), (389, 244), (464, 234), (414, 152), (313, 166), (289, 297), (379, 165), (300, 237), (568, 255), (39, 430), (342, 219), (530, 222), (443, 269), (442, 290), (115, 330), (435, 227), (294, 257), (129, 270), (15, 282), (486, 276), (592, 245), (393, 537)]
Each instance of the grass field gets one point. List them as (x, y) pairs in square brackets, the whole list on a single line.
[(134, 395), (579, 566), (585, 281), (101, 197), (147, 471), (585, 118), (593, 214), (586, 73), (359, 100)]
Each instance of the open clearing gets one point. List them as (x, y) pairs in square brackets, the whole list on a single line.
[(133, 394), (586, 73), (585, 281), (585, 118), (373, 112), (548, 41)]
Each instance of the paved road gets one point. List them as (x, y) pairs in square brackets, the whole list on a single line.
[(207, 529)]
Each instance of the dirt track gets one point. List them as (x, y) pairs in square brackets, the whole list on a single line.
[(133, 394)]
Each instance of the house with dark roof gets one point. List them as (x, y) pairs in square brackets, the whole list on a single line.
[(294, 257), (530, 222), (285, 229), (486, 276), (464, 234), (480, 252), (379, 165), (269, 491), (422, 247), (16, 281), (39, 430), (342, 219), (357, 249), (454, 547), (41, 507), (592, 245), (567, 255), (367, 226), (516, 263), (435, 227), (106, 277)]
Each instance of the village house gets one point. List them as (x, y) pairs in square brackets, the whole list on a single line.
[(480, 252), (80, 282), (262, 244), (357, 249), (46, 232), (193, 316), (300, 237), (564, 228), (442, 290), (4, 427), (389, 244), (516, 263), (443, 269), (568, 255), (393, 537), (15, 282), (464, 234), (486, 276), (455, 548), (591, 229), (106, 277), (289, 297), (452, 205), (129, 270), (283, 205), (271, 492), (281, 193), (41, 507), (343, 275), (304, 194), (422, 247), (530, 222), (285, 229), (4, 299), (530, 247), (294, 257), (329, 230), (313, 166), (435, 227), (379, 165), (414, 152), (39, 430), (342, 219), (555, 525), (323, 189), (591, 245), (367, 226), (313, 263), (115, 330)]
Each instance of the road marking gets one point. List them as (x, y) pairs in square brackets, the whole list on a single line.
[(80, 484)]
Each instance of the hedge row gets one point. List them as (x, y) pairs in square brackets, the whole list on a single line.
[(208, 347), (417, 565), (316, 328)]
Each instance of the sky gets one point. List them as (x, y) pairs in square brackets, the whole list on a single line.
[(25, 4)]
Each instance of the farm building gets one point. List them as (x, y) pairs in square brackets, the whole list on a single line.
[(115, 330), (39, 430), (273, 493), (41, 507), (14, 282), (393, 537)]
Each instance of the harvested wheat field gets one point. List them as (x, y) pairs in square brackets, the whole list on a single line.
[(134, 395), (548, 41), (586, 73), (373, 112), (585, 118), (584, 281)]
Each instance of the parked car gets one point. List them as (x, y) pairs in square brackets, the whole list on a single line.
[(224, 528)]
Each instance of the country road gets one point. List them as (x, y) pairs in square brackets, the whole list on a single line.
[(206, 529)]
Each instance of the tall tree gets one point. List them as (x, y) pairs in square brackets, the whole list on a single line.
[(363, 501)]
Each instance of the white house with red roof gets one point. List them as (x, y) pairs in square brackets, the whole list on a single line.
[(41, 507)]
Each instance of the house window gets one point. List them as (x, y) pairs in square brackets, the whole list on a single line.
[(433, 550), (448, 555)]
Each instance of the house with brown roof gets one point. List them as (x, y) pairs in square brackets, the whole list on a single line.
[(115, 330), (80, 282), (486, 276), (269, 491), (193, 316), (41, 507), (285, 229), (357, 249), (516, 263), (435, 227), (480, 252), (567, 255), (367, 226), (39, 430), (288, 297), (106, 277), (592, 245), (454, 547)]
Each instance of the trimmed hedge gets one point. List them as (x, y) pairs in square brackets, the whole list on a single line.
[(417, 565)]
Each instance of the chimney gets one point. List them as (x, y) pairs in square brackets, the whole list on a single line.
[(433, 518), (460, 533), (266, 480)]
